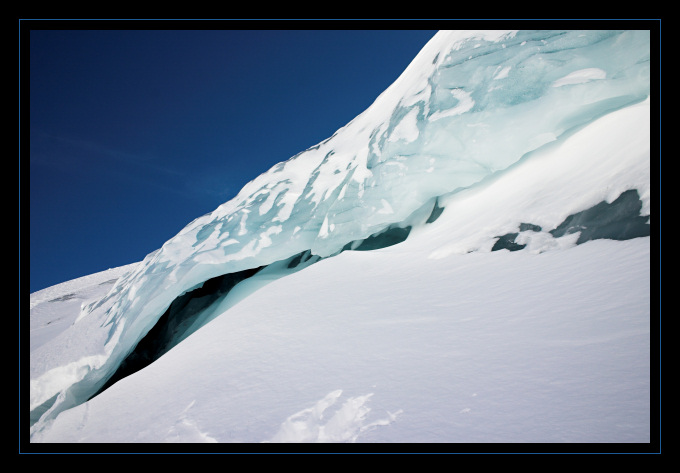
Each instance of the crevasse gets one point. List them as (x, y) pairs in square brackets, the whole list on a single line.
[(469, 106)]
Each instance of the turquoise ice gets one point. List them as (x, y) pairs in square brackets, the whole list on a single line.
[(469, 106)]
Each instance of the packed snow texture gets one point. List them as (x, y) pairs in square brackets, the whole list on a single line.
[(390, 346), (499, 129)]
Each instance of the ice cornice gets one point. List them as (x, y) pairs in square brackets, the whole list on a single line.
[(459, 125), (470, 105)]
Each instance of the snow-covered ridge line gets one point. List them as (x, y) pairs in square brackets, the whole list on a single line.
[(62, 290), (470, 106), (635, 174)]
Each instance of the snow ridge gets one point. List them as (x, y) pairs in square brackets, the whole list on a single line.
[(468, 110)]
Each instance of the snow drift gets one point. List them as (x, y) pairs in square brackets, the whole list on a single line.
[(527, 141)]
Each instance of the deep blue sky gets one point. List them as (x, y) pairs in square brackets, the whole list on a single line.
[(133, 134)]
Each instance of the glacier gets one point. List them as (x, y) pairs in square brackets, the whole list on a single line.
[(489, 140)]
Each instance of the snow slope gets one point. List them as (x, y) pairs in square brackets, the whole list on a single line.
[(66, 299), (387, 347), (440, 338)]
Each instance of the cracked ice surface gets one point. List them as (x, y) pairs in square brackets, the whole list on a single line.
[(469, 106)]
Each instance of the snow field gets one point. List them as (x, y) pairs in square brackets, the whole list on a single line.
[(435, 340), (486, 347)]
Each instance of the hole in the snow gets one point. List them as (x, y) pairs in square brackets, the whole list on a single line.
[(507, 242), (178, 322), (620, 220), (389, 237), (184, 316), (436, 212)]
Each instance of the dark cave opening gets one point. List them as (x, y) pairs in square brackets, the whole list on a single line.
[(175, 324), (180, 319)]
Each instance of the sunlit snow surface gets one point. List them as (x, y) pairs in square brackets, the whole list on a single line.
[(503, 128)]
